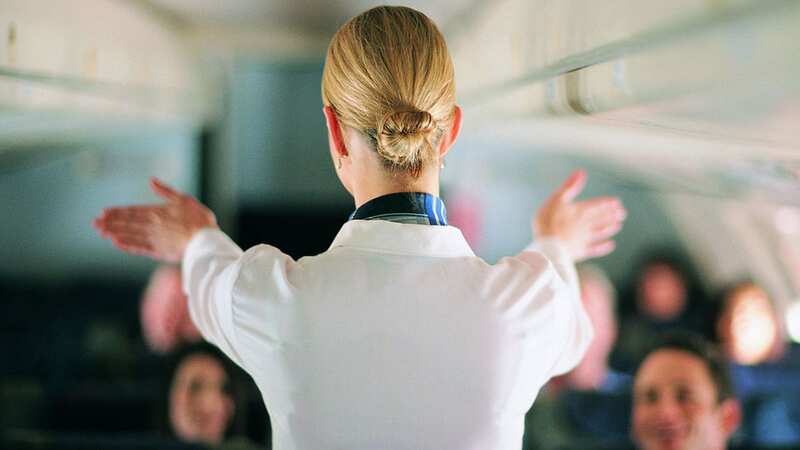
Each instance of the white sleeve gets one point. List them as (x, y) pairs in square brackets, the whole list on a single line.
[(571, 321), (211, 265)]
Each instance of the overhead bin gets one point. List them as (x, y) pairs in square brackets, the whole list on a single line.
[(69, 70), (724, 73)]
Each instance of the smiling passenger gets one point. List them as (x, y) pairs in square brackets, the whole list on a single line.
[(683, 398)]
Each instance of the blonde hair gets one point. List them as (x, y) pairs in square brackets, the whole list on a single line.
[(388, 74)]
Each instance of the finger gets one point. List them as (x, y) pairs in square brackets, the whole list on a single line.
[(600, 249), (108, 228), (138, 216), (572, 187), (144, 214), (601, 216), (603, 211), (103, 216), (164, 191), (138, 251), (601, 202), (605, 231), (138, 239), (135, 214), (133, 244)]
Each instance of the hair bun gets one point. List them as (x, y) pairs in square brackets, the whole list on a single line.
[(404, 138), (406, 122)]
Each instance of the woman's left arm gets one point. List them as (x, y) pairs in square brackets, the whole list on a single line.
[(568, 231)]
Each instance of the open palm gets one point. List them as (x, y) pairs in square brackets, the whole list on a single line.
[(158, 231), (585, 227)]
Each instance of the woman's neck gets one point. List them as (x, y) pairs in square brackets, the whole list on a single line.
[(375, 187)]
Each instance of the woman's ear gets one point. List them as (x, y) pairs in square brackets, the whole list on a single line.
[(450, 137), (335, 136)]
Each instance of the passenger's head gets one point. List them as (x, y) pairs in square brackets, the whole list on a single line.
[(200, 404), (662, 288), (683, 397), (748, 328), (388, 84), (599, 300), (164, 311)]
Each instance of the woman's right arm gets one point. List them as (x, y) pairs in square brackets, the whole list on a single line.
[(210, 268), (158, 231), (183, 230)]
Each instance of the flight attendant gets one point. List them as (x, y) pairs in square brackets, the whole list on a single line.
[(398, 336)]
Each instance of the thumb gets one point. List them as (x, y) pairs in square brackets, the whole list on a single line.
[(164, 191), (572, 187)]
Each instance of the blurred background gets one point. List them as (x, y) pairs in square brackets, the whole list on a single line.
[(688, 110)]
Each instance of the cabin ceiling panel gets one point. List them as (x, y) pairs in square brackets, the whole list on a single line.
[(310, 16)]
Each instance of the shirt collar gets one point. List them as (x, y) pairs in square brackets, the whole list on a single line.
[(401, 238), (404, 207)]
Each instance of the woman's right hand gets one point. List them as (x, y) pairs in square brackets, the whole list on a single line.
[(159, 231), (585, 227)]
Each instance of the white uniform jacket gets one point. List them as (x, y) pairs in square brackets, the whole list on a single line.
[(398, 337)]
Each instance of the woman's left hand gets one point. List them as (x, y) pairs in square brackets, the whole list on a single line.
[(585, 227), (160, 231)]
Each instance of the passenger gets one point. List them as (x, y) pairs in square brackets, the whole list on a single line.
[(664, 296), (573, 409), (398, 336), (683, 397), (748, 328), (764, 373), (200, 403), (165, 312)]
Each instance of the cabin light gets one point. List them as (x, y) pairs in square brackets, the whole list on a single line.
[(793, 321), (787, 220)]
